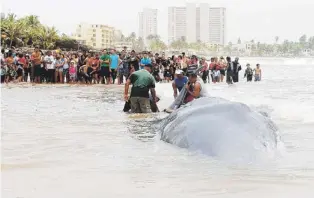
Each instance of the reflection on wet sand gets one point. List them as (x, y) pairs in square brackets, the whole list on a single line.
[(10, 167)]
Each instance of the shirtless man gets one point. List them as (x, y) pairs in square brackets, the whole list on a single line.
[(36, 60), (258, 73)]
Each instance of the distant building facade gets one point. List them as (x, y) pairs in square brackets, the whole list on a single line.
[(120, 45), (97, 36), (197, 23), (147, 23)]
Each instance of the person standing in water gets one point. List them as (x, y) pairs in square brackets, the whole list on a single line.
[(223, 65), (258, 73), (248, 73), (143, 83), (179, 82), (204, 70), (229, 70), (236, 68)]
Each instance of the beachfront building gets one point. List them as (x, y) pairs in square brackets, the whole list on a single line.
[(176, 23), (98, 36), (120, 45), (147, 23), (197, 23), (217, 26)]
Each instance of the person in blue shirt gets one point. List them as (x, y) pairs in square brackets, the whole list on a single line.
[(179, 82), (145, 61), (114, 62)]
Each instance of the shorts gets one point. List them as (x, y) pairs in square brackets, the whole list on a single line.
[(105, 72), (19, 72), (140, 105), (113, 73), (37, 70), (73, 76), (167, 75), (121, 72), (60, 69), (257, 77), (65, 72), (2, 78), (223, 72)]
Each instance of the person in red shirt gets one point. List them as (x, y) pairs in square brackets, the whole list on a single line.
[(223, 65), (211, 67), (217, 67), (21, 63), (204, 70)]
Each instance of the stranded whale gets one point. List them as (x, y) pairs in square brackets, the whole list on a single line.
[(220, 128)]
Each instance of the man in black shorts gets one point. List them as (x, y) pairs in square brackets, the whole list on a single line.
[(36, 60), (104, 67)]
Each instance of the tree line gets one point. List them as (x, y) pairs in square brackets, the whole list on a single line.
[(29, 32)]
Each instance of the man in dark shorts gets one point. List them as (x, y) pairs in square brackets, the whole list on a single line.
[(105, 67), (36, 60)]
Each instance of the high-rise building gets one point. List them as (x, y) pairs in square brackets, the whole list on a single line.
[(197, 23), (147, 23), (176, 23), (95, 35), (204, 23), (217, 25), (191, 22)]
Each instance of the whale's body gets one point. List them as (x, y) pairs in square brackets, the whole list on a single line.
[(220, 128)]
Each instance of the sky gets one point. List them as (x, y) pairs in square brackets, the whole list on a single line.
[(260, 20)]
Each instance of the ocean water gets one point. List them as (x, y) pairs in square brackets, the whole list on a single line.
[(75, 141)]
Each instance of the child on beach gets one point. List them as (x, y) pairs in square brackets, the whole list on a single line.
[(72, 72)]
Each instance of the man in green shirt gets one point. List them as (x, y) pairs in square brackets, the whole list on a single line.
[(142, 82), (105, 67)]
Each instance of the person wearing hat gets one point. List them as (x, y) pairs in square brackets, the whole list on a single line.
[(178, 83), (142, 83)]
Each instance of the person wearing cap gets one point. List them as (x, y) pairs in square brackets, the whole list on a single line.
[(178, 83), (142, 83)]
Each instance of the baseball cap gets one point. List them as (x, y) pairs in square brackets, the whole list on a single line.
[(179, 71), (149, 65)]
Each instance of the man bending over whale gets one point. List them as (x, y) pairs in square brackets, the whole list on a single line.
[(142, 82), (179, 82), (194, 89)]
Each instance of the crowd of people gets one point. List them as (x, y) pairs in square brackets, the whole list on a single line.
[(111, 67)]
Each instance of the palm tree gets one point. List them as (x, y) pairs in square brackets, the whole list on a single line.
[(12, 27), (276, 39), (48, 36), (32, 27)]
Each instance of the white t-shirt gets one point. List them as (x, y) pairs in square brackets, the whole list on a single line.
[(50, 59)]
